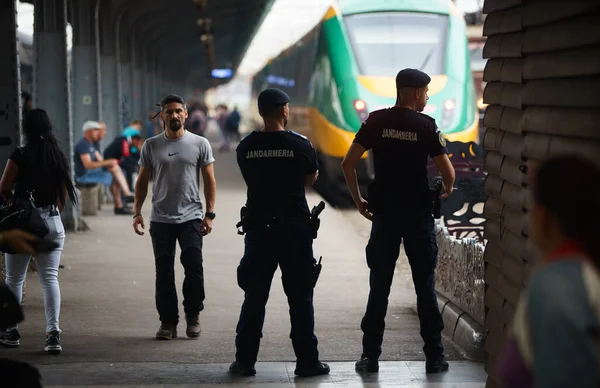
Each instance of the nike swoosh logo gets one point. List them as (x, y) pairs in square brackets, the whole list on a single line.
[(173, 154)]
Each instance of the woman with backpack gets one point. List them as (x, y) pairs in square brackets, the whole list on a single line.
[(39, 170)]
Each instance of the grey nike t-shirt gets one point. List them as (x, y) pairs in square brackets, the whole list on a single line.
[(175, 166)]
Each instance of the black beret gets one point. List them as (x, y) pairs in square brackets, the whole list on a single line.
[(412, 78), (270, 98)]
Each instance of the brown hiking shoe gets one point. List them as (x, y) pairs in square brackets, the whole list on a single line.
[(193, 327), (166, 332)]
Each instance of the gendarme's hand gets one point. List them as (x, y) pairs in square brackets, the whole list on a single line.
[(447, 191), (363, 208)]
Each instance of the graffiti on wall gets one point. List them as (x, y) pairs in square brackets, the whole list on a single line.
[(462, 212)]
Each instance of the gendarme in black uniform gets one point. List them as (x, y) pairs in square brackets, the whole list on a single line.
[(401, 141), (274, 166)]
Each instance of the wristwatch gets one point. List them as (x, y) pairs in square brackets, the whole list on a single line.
[(210, 215)]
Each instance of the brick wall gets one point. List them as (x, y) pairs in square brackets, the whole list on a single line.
[(543, 88)]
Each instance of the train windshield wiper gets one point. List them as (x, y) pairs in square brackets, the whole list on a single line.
[(427, 58)]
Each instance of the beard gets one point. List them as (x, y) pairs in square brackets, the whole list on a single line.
[(285, 121), (174, 125)]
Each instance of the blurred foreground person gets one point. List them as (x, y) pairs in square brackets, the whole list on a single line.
[(555, 334)]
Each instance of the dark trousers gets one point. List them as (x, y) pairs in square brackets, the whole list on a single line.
[(290, 247), (388, 231), (164, 237)]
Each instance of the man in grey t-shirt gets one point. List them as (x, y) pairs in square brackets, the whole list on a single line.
[(175, 159)]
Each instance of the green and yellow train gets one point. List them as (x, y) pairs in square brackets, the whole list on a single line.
[(345, 67)]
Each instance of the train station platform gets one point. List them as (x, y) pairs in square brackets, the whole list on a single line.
[(109, 319)]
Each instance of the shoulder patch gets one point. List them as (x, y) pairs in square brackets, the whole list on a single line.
[(441, 138), (298, 134)]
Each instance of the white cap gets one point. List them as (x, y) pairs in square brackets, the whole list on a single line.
[(91, 125)]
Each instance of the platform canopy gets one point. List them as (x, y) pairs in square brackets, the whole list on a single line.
[(203, 39)]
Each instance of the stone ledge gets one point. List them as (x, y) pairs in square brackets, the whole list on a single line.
[(466, 333)]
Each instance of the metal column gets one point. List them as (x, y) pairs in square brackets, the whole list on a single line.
[(147, 99), (125, 55), (10, 82), (52, 82), (154, 83), (85, 82), (123, 76), (108, 65), (136, 94)]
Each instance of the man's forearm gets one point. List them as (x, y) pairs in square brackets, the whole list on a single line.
[(352, 182), (210, 194), (448, 180), (448, 177), (97, 164), (141, 190)]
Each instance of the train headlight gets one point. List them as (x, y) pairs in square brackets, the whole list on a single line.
[(448, 114), (480, 104), (361, 108)]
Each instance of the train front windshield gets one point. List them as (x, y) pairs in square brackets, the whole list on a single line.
[(385, 43)]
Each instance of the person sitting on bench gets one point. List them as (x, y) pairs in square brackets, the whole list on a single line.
[(91, 168), (125, 149)]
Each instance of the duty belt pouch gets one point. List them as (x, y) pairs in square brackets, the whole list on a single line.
[(314, 226), (436, 200), (240, 225)]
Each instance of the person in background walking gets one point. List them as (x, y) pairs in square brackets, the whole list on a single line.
[(176, 159)]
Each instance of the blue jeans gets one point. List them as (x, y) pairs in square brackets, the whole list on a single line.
[(97, 175), (47, 267), (415, 226)]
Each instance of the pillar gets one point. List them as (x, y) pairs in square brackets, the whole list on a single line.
[(136, 94), (52, 89), (123, 75), (85, 63), (147, 98), (10, 87), (108, 65)]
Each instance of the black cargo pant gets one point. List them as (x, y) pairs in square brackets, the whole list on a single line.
[(164, 237), (288, 245), (416, 227)]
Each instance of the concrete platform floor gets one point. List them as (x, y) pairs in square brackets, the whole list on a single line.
[(269, 374), (109, 319)]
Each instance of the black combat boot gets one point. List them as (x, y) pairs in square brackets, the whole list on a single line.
[(366, 364), (243, 369), (313, 368), (436, 365)]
